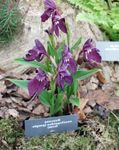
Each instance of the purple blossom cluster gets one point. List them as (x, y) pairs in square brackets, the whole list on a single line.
[(90, 53), (51, 11), (67, 66)]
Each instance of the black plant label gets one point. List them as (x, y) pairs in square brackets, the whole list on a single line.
[(44, 126)]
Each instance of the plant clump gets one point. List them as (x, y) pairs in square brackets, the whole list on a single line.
[(57, 69)]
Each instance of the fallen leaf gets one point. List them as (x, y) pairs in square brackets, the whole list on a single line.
[(101, 77), (23, 93), (40, 109), (113, 103), (83, 102), (82, 115), (99, 96)]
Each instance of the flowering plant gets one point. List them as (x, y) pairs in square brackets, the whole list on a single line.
[(57, 70)]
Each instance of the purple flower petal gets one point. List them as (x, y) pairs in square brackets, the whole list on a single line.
[(68, 79), (49, 9), (46, 15), (38, 84), (49, 4), (31, 55), (62, 25), (73, 66), (89, 44), (93, 56), (37, 53), (90, 52), (63, 76), (33, 87), (68, 60), (40, 46)]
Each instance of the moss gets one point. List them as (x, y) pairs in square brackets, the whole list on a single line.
[(89, 137)]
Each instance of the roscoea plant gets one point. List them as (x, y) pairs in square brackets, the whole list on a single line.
[(57, 71)]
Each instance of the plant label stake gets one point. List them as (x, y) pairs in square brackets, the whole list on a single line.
[(109, 51), (44, 126)]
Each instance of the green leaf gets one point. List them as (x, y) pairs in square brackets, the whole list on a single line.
[(75, 86), (45, 97), (75, 101), (58, 103), (59, 52), (76, 45), (34, 64), (51, 50), (21, 83), (83, 74)]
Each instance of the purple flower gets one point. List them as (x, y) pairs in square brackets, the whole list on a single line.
[(49, 9), (36, 53), (68, 60), (58, 23), (91, 53), (38, 83), (63, 76)]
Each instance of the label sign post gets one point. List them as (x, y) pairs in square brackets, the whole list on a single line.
[(44, 126), (109, 51)]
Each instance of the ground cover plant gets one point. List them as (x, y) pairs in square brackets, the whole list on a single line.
[(10, 19), (102, 12), (58, 72), (93, 135)]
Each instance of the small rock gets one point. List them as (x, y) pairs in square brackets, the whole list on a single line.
[(92, 103), (88, 110), (1, 114), (113, 79), (13, 113), (94, 80), (83, 90), (107, 72), (8, 100), (2, 86), (93, 84), (40, 109), (110, 87)]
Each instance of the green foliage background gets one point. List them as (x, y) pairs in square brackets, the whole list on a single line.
[(99, 12), (10, 19)]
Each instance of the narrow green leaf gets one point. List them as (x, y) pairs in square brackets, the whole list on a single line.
[(75, 101), (76, 45), (58, 103), (44, 98), (20, 83), (75, 86), (59, 52), (83, 74), (34, 64), (51, 50)]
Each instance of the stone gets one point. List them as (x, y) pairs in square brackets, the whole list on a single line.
[(92, 103), (35, 29), (93, 84), (13, 113), (107, 72), (40, 109), (88, 110)]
